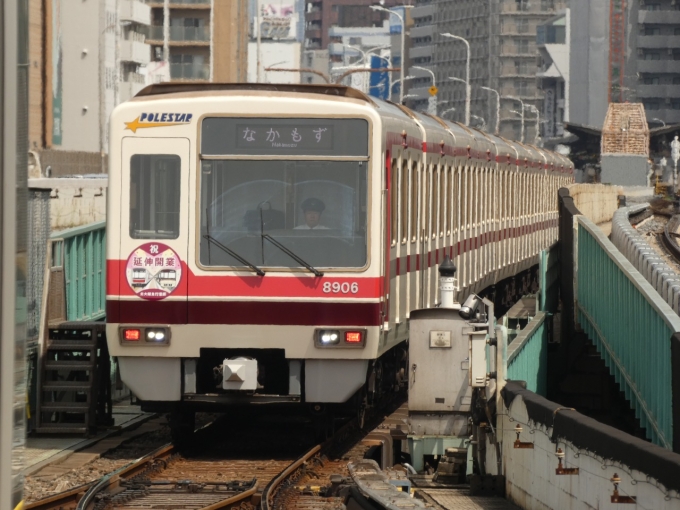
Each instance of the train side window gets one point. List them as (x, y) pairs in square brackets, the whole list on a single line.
[(154, 196), (448, 200), (414, 201), (394, 197), (432, 191), (426, 222), (455, 200), (403, 203)]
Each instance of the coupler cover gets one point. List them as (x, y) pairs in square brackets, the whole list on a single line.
[(239, 374)]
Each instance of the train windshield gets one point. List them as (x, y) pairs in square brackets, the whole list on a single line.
[(316, 209)]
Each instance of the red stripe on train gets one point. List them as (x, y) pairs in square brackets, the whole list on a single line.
[(244, 313), (256, 286)]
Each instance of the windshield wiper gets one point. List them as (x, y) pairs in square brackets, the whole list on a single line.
[(231, 252), (291, 254)]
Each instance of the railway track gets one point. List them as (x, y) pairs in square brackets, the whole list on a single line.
[(670, 237), (227, 465), (308, 483), (246, 471)]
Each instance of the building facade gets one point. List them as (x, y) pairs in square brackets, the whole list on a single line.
[(85, 58), (625, 52), (280, 27), (553, 41), (321, 15), (198, 40), (503, 57), (651, 73)]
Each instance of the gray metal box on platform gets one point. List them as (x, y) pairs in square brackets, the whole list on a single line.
[(439, 395)]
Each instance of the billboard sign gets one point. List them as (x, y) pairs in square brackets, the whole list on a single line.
[(395, 22), (278, 20), (379, 84)]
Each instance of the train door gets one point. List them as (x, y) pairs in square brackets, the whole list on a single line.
[(154, 229)]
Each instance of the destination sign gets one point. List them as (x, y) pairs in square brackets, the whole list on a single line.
[(291, 136), (223, 136)]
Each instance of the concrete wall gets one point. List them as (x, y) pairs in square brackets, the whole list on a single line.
[(531, 482), (597, 202), (74, 202)]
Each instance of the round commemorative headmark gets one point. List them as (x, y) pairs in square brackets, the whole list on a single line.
[(153, 271)]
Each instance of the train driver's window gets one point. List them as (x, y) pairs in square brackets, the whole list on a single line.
[(154, 196), (266, 210)]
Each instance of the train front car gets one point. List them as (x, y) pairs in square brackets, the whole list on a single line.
[(244, 248)]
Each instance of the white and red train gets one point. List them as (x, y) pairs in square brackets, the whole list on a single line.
[(300, 226)]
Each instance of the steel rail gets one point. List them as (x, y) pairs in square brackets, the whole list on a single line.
[(78, 494), (668, 238), (114, 478), (67, 499), (272, 487)]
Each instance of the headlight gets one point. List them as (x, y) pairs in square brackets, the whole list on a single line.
[(329, 337), (355, 338), (153, 335)]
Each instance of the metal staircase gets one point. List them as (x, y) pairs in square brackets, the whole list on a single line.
[(75, 392)]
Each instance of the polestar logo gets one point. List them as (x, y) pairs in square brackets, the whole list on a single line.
[(151, 120)]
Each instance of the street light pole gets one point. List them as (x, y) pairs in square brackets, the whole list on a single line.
[(399, 80), (521, 113), (467, 75), (498, 108), (432, 103), (403, 43), (447, 111), (538, 120), (259, 41)]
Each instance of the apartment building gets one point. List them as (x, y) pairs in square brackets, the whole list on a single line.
[(503, 56), (421, 53), (200, 40), (321, 15), (651, 73), (85, 58)]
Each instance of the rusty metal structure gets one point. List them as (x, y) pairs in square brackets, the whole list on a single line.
[(625, 130)]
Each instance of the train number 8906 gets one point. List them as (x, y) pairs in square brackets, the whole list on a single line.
[(340, 288)]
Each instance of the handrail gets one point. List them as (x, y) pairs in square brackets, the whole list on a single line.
[(671, 318), (76, 231), (525, 336)]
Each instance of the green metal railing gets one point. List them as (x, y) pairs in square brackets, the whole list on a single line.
[(630, 325), (527, 355), (82, 251)]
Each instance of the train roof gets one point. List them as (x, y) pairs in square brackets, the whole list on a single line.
[(332, 90)]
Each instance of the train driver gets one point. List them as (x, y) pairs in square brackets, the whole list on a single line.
[(312, 209)]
